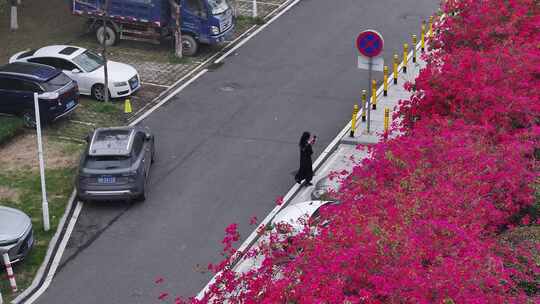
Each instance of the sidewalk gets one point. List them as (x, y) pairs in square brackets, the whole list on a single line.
[(345, 155)]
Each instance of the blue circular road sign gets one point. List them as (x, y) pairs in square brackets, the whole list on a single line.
[(370, 43)]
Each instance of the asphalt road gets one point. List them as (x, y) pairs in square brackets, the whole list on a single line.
[(226, 149)]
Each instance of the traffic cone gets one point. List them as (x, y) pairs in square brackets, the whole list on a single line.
[(127, 106)]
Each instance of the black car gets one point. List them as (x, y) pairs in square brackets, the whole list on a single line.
[(58, 94), (116, 164)]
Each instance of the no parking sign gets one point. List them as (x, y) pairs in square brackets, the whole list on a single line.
[(370, 44)]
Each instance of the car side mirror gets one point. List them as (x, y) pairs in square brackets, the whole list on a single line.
[(87, 138), (147, 136), (75, 71)]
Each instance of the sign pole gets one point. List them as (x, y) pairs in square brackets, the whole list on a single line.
[(370, 45), (368, 103)]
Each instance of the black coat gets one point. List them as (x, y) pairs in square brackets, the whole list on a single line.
[(305, 171)]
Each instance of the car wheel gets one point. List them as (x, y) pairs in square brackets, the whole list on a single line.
[(189, 45), (108, 33), (98, 92), (29, 119), (142, 196)]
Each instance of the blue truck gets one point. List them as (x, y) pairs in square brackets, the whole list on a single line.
[(202, 21)]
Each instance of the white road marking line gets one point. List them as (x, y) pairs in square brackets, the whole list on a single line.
[(58, 257), (195, 69), (164, 100)]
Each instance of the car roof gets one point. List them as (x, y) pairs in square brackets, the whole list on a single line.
[(293, 213), (112, 141), (59, 51), (13, 224), (27, 70)]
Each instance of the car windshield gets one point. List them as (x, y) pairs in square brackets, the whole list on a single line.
[(88, 61), (107, 162), (56, 83), (218, 6)]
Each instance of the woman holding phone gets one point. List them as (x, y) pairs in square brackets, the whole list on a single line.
[(305, 172)]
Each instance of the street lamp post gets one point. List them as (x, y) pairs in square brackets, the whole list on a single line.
[(44, 202), (104, 44)]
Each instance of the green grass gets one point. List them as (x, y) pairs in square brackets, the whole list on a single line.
[(247, 20), (9, 128), (27, 185), (105, 107)]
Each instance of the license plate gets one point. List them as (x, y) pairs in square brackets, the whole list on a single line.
[(106, 180), (70, 104)]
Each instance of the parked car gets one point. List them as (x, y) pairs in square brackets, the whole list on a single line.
[(324, 187), (86, 68), (59, 94), (286, 224), (16, 235), (295, 216), (116, 164)]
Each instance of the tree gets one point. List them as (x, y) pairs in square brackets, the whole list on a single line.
[(175, 10)]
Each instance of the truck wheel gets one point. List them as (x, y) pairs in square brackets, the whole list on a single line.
[(189, 45), (110, 35)]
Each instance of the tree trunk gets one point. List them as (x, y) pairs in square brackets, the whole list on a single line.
[(175, 9), (14, 24)]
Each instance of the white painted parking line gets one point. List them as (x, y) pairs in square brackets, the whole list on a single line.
[(155, 84), (260, 2)]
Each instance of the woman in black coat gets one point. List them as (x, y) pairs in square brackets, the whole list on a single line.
[(305, 172)]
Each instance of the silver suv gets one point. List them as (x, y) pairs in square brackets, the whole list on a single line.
[(116, 164)]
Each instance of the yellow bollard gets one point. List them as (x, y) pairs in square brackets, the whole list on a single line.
[(386, 119), (127, 106), (405, 57), (385, 80), (423, 37), (364, 104), (414, 42), (374, 94), (396, 62), (353, 120), (430, 29)]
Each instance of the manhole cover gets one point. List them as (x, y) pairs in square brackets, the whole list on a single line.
[(231, 86)]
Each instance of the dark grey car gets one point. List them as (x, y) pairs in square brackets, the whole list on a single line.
[(16, 235), (116, 164)]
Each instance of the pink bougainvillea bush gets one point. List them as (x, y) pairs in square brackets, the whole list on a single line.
[(421, 220)]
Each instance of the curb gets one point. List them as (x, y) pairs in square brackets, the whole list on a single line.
[(54, 244), (341, 138)]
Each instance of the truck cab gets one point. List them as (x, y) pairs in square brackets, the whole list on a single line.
[(202, 21), (207, 21)]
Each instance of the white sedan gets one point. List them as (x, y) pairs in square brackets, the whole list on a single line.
[(86, 68)]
